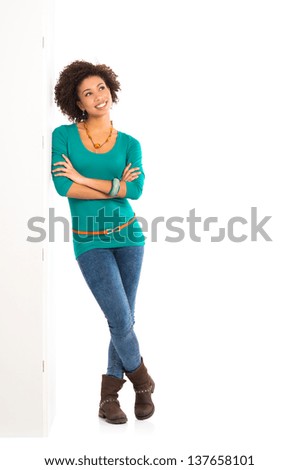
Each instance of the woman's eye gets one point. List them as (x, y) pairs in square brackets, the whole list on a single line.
[(102, 87)]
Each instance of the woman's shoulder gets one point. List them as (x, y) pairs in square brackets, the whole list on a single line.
[(63, 129), (128, 138)]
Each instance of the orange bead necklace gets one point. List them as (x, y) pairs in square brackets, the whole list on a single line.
[(98, 145)]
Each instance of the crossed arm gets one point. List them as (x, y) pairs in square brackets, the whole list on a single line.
[(91, 188)]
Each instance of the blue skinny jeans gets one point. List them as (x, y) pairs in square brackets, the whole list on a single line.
[(112, 275)]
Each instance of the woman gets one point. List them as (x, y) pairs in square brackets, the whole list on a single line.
[(99, 168)]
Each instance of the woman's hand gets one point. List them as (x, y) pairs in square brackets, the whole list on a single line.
[(68, 170), (130, 174)]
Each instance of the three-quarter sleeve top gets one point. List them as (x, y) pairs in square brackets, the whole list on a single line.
[(90, 216)]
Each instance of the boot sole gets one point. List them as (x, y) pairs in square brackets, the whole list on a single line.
[(111, 421)]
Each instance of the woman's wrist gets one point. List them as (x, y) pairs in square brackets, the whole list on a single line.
[(82, 180)]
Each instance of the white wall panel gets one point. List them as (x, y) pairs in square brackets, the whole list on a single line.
[(24, 353)]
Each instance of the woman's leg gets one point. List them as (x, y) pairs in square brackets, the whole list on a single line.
[(129, 261), (102, 274)]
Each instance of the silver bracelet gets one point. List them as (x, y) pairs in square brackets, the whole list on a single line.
[(115, 187)]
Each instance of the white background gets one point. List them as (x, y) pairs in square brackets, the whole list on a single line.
[(211, 91)]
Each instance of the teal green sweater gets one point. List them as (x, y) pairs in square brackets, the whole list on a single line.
[(94, 215)]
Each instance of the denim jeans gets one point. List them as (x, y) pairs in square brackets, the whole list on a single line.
[(112, 275)]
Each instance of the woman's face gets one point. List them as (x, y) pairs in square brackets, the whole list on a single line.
[(94, 96)]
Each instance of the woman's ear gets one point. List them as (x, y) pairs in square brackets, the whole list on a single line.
[(78, 103)]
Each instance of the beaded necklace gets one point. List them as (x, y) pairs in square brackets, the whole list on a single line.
[(98, 145)]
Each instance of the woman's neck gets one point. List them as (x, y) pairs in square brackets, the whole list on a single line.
[(97, 123)]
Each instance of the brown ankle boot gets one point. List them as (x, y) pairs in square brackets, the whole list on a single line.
[(109, 406), (144, 386)]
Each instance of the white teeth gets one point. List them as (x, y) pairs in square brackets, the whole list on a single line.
[(101, 105)]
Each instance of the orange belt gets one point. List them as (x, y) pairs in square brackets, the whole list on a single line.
[(108, 230)]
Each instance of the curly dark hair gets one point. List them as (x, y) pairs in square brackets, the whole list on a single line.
[(65, 91)]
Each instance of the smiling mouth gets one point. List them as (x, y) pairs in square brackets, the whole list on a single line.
[(102, 105)]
